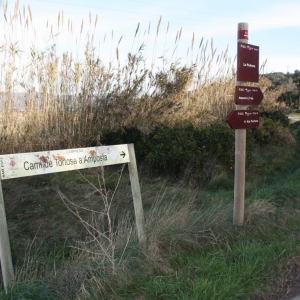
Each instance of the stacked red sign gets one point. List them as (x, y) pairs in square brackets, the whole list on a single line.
[(242, 119), (248, 95), (248, 62), (247, 70)]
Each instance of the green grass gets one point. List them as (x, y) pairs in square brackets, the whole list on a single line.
[(217, 273), (192, 250), (32, 292)]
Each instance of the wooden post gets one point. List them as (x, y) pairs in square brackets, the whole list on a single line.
[(136, 193), (240, 151), (5, 253)]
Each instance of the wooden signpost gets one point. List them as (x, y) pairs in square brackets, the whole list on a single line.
[(38, 163), (241, 118)]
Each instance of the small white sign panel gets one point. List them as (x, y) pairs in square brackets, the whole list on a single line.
[(38, 163)]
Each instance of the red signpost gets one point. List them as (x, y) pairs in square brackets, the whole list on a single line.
[(247, 70), (243, 119), (248, 95)]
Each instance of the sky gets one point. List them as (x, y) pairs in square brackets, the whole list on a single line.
[(274, 26)]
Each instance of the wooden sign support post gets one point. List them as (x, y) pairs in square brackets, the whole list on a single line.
[(136, 194), (240, 150), (5, 253)]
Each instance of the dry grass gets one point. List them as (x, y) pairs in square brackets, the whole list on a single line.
[(106, 258), (258, 208), (110, 257), (51, 100)]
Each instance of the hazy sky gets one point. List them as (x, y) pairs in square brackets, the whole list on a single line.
[(274, 26)]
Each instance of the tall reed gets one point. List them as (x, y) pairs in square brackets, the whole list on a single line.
[(52, 99)]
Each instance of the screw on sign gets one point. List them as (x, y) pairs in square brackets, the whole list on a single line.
[(248, 95), (243, 119)]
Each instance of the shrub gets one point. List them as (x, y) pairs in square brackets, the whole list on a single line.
[(218, 140), (172, 149), (190, 152), (266, 132), (295, 127), (128, 136), (276, 116)]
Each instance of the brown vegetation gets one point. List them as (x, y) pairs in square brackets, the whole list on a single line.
[(52, 100)]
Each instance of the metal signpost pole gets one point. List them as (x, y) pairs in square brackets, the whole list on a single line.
[(240, 150)]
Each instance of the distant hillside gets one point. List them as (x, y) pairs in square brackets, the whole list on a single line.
[(291, 83)]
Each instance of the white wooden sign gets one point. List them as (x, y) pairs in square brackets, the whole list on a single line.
[(38, 163)]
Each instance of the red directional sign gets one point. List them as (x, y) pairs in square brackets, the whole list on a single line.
[(247, 62), (248, 95), (243, 119)]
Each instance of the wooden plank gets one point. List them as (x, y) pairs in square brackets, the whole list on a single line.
[(136, 194), (46, 162)]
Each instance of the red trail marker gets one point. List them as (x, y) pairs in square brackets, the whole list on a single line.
[(247, 62), (248, 95), (243, 119)]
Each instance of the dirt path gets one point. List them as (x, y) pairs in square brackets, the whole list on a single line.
[(295, 118)]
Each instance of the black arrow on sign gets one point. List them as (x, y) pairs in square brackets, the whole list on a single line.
[(123, 154)]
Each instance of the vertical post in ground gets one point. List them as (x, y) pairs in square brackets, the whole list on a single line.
[(5, 253), (136, 193), (240, 151)]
